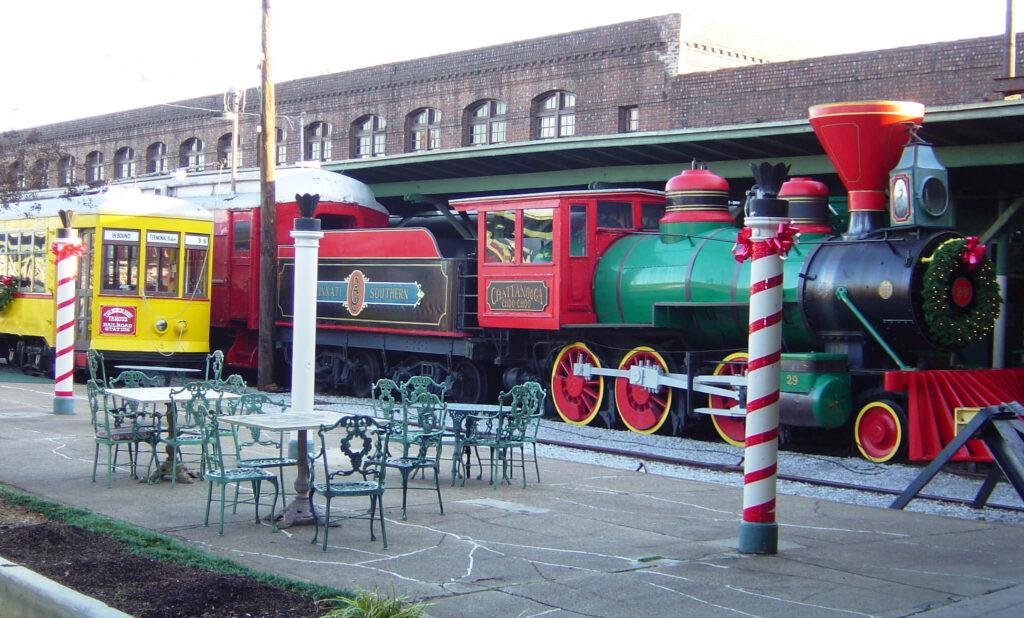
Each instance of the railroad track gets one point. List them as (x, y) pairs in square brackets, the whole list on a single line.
[(738, 468)]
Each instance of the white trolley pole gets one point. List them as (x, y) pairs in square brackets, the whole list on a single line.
[(768, 236), (66, 249), (306, 233)]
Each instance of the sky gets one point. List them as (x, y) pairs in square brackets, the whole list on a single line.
[(66, 59)]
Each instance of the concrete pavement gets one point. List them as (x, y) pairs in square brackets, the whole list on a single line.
[(587, 541)]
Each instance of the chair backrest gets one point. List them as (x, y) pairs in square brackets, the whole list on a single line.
[(234, 383), (520, 410), (106, 417), (246, 437), (97, 367), (214, 365), (386, 397), (428, 411), (416, 385), (362, 442), (134, 379), (204, 416), (97, 404)]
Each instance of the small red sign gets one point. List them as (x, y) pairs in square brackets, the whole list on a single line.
[(963, 292), (117, 320)]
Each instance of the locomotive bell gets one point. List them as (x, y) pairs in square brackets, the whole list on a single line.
[(918, 188)]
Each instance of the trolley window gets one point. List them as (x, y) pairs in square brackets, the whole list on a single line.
[(23, 256), (120, 261), (162, 263), (242, 233), (617, 215), (500, 236), (197, 249), (537, 235)]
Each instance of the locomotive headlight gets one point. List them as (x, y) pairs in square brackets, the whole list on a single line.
[(160, 326)]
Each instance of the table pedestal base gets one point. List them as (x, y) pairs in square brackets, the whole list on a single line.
[(297, 513), (184, 475)]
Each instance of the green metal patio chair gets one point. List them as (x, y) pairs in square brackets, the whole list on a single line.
[(420, 432), (182, 431), (505, 431), (535, 411), (247, 440), (205, 416), (115, 426), (97, 367), (357, 471), (214, 365)]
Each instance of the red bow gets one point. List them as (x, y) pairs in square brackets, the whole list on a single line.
[(743, 248), (783, 240), (780, 244), (974, 253), (66, 250)]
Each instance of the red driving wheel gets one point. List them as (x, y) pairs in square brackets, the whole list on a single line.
[(732, 429), (577, 399), (640, 409)]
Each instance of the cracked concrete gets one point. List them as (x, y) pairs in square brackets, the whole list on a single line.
[(588, 541)]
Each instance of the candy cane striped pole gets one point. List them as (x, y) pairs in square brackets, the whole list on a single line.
[(767, 239), (66, 248)]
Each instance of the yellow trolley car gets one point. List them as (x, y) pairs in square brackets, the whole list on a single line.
[(143, 290)]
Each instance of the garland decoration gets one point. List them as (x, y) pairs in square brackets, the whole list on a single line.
[(63, 251), (961, 296), (8, 286)]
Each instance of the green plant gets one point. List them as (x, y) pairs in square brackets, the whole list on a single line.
[(367, 604)]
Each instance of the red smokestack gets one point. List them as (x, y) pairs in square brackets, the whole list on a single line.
[(864, 140)]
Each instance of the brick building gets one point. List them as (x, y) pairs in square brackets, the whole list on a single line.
[(631, 77)]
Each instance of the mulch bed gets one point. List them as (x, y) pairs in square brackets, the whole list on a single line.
[(104, 569)]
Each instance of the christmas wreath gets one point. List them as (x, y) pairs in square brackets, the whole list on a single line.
[(961, 296), (8, 286)]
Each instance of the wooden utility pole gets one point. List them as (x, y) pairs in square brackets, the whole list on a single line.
[(268, 216)]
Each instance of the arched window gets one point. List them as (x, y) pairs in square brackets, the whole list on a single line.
[(486, 121), (368, 136), (156, 158), (94, 166), (318, 142), (41, 174), (423, 128), (66, 171), (124, 162), (224, 152), (191, 154), (554, 115), (282, 148), (16, 175)]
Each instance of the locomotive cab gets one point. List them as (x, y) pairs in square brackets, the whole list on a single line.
[(537, 253)]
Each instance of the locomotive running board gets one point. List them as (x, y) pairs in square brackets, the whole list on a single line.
[(1001, 428)]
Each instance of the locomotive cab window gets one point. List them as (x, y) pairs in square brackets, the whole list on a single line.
[(242, 233), (500, 234), (578, 230), (650, 215), (162, 263), (616, 215), (537, 235), (120, 261), (197, 250)]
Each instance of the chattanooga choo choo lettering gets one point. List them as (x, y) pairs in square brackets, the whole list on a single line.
[(117, 320), (517, 295)]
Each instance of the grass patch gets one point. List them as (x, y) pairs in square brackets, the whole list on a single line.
[(147, 543)]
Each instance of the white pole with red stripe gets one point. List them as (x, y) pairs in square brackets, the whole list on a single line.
[(66, 248), (766, 238)]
